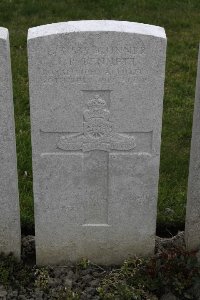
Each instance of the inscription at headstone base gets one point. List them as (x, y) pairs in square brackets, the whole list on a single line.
[(10, 237), (96, 94)]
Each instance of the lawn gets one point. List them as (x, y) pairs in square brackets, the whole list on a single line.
[(181, 19)]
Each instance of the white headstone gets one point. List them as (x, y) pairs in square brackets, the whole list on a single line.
[(96, 93), (192, 224), (10, 238)]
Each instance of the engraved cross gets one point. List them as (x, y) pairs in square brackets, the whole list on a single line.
[(96, 141)]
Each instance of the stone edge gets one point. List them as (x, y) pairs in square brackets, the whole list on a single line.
[(96, 26), (4, 36), (3, 33)]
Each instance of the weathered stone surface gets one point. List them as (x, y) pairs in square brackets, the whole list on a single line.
[(9, 200), (192, 224), (96, 93)]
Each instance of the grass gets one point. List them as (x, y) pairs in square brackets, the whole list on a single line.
[(181, 19)]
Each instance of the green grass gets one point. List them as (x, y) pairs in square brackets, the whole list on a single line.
[(181, 19)]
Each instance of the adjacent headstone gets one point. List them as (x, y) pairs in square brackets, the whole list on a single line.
[(192, 224), (96, 93), (10, 238)]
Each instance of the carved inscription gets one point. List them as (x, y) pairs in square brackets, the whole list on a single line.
[(90, 65), (103, 60), (95, 58), (98, 131), (136, 46)]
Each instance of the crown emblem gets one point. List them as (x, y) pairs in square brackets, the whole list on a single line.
[(96, 109), (96, 102)]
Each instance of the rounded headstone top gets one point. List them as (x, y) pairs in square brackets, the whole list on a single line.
[(3, 33), (96, 25)]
